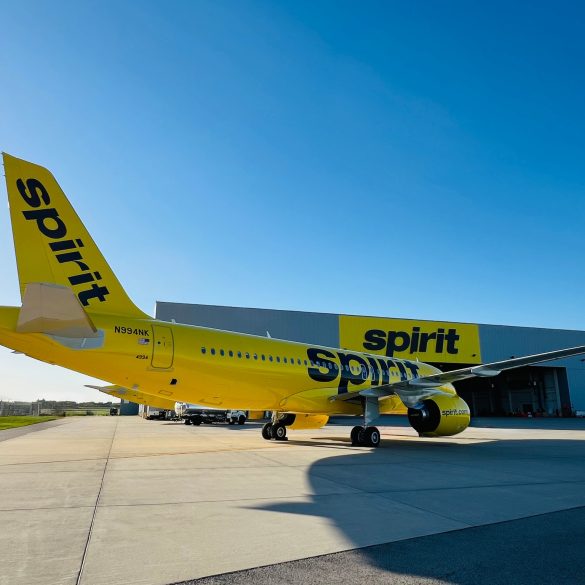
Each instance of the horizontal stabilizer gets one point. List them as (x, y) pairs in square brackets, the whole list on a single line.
[(55, 310), (105, 389), (136, 396)]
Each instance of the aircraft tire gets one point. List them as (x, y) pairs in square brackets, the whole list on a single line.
[(372, 437), (278, 432), (267, 431), (241, 420), (356, 435), (231, 421), (187, 421)]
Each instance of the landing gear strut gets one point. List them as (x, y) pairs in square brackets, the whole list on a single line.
[(367, 436)]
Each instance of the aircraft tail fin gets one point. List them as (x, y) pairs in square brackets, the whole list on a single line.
[(53, 246)]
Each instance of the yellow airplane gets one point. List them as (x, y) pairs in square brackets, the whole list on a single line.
[(76, 314)]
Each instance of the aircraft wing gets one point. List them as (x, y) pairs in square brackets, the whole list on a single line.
[(428, 385)]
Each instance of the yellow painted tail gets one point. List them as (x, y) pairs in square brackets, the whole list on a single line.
[(53, 246)]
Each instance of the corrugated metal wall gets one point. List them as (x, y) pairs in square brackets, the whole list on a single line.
[(318, 328), (499, 342)]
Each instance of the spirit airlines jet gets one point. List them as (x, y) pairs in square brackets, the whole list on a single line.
[(76, 314)]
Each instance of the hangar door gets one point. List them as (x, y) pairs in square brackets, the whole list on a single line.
[(162, 347)]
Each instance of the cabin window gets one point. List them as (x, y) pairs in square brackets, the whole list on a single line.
[(278, 359), (284, 360), (299, 361), (306, 364), (247, 355), (269, 358), (231, 353), (212, 351), (221, 352), (255, 356), (203, 350), (239, 354), (263, 358), (292, 361)]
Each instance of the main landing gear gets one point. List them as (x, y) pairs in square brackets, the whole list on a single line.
[(276, 428), (276, 431), (368, 437)]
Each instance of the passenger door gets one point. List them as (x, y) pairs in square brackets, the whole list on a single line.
[(162, 347)]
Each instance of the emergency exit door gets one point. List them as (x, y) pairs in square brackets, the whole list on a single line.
[(162, 347)]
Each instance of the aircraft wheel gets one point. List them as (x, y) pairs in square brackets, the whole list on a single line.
[(231, 421), (278, 432), (267, 431), (372, 437), (357, 434), (241, 420), (187, 421)]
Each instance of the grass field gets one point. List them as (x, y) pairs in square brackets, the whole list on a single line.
[(11, 422), (85, 411)]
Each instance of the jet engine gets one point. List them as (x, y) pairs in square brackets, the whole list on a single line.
[(440, 416)]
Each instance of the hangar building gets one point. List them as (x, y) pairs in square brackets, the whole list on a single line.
[(554, 388)]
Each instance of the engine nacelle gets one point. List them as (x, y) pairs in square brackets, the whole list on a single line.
[(305, 421), (441, 416)]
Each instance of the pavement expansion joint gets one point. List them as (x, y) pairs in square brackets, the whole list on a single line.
[(95, 508)]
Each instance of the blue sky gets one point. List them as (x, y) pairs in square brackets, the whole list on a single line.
[(408, 159)]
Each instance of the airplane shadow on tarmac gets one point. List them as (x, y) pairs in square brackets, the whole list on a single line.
[(411, 488)]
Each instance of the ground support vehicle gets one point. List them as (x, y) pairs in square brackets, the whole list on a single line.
[(196, 416)]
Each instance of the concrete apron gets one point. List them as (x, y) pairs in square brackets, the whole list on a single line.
[(120, 500)]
